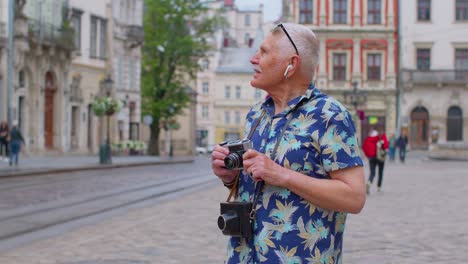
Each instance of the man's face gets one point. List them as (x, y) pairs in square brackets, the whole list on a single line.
[(268, 64)]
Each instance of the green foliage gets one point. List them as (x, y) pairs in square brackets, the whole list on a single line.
[(176, 33), (106, 106)]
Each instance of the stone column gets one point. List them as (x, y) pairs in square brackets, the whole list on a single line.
[(356, 74)]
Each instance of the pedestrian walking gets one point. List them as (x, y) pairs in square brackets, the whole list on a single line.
[(304, 168), (16, 139), (392, 147), (402, 143), (375, 147), (4, 138)]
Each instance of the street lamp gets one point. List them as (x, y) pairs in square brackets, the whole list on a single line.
[(171, 151), (356, 98), (107, 88)]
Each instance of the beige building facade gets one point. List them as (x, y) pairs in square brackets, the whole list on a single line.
[(434, 99), (64, 49), (224, 94)]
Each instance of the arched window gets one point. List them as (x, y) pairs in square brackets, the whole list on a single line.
[(454, 124)]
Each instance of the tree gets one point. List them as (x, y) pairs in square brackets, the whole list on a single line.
[(176, 33)]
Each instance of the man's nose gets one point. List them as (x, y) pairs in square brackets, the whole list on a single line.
[(254, 59)]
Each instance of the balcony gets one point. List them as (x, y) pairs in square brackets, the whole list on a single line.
[(49, 34), (435, 76), (134, 35)]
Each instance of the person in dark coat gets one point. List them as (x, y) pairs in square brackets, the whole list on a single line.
[(16, 138), (373, 141), (401, 144), (4, 138)]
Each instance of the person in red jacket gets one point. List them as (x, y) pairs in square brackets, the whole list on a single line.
[(375, 148)]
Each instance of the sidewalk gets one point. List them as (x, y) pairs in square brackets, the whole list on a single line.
[(57, 164)]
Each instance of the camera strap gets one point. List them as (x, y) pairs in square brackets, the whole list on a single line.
[(235, 188), (259, 185)]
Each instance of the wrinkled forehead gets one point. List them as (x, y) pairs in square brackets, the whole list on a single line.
[(271, 40)]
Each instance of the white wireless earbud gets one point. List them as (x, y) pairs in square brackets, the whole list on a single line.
[(287, 70)]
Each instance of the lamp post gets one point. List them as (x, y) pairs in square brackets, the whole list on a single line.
[(107, 87), (356, 98), (171, 151)]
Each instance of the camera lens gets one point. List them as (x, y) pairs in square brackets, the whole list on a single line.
[(233, 161), (228, 222)]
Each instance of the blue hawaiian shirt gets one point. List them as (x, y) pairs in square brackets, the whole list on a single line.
[(319, 139)]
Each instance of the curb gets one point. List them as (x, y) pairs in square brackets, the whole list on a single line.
[(42, 171)]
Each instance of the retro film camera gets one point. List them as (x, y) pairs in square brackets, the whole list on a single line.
[(235, 216), (237, 148), (235, 219)]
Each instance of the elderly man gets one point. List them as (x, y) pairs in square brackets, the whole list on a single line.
[(304, 151)]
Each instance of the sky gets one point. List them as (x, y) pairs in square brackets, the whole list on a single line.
[(272, 8)]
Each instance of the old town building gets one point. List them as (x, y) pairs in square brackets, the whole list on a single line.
[(358, 55), (224, 94), (64, 49), (435, 75)]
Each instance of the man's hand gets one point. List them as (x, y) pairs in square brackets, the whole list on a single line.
[(260, 167), (217, 164)]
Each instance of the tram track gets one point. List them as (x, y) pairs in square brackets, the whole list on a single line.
[(22, 221)]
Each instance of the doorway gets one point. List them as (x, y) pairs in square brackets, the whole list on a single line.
[(419, 132), (49, 94), (75, 117)]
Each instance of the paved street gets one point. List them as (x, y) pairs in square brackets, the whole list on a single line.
[(420, 217)]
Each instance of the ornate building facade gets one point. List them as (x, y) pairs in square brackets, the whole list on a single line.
[(358, 55)]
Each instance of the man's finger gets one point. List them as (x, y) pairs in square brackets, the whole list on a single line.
[(249, 154)]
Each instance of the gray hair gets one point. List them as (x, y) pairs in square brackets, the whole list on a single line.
[(307, 45)]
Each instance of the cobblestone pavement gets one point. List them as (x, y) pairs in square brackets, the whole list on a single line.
[(420, 217)]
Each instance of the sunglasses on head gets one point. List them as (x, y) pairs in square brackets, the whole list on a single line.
[(287, 35)]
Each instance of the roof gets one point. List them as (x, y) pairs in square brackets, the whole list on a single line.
[(236, 60)]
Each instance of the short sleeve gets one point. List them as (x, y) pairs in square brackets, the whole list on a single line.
[(338, 144)]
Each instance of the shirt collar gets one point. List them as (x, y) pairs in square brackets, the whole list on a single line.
[(310, 93)]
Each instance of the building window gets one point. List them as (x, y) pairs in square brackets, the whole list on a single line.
[(205, 64), (132, 67), (373, 66), (120, 73), (98, 38), (461, 10), (424, 10), (227, 117), (340, 11), (258, 94), (461, 64), (227, 92), (21, 79), (134, 131), (205, 88), (374, 11), (423, 59), (247, 20), (76, 24), (454, 124), (339, 66), (237, 117), (247, 39), (238, 92), (205, 114), (305, 12)]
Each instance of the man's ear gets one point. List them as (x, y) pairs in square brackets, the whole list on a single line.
[(293, 65)]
